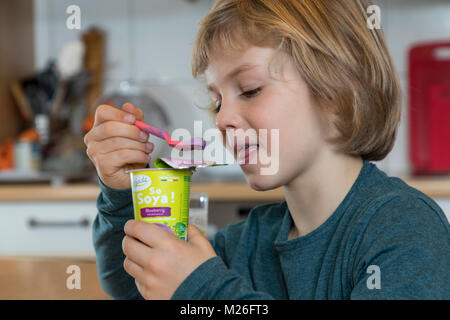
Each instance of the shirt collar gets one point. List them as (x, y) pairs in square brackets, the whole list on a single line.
[(281, 238)]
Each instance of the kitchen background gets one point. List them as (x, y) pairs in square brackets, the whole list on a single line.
[(147, 45)]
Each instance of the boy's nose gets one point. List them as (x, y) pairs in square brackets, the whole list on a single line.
[(228, 118)]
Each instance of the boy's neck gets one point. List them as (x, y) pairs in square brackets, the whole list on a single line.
[(315, 194)]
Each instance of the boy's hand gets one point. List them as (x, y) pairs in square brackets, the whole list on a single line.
[(158, 260), (115, 144)]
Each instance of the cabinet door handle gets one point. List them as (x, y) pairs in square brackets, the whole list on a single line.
[(34, 223)]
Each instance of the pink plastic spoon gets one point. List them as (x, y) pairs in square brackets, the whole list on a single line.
[(193, 144)]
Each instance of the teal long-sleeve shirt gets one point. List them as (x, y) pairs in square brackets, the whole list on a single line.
[(385, 240)]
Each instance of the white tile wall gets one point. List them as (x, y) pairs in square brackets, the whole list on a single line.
[(150, 42), (110, 15), (411, 22), (165, 32), (153, 40)]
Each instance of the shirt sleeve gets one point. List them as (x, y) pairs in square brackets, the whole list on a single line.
[(404, 253), (214, 280), (115, 208)]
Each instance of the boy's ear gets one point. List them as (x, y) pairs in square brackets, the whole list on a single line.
[(327, 123)]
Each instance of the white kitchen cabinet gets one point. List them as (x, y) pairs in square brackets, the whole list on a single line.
[(47, 229), (64, 229)]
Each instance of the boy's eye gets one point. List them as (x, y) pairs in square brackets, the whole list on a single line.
[(246, 94), (251, 93), (217, 108)]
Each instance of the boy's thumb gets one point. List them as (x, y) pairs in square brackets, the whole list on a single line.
[(194, 233)]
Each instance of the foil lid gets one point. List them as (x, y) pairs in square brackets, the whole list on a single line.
[(184, 163)]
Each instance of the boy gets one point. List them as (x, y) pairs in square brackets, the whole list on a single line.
[(314, 71)]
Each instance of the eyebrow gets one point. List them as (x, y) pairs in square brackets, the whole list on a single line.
[(235, 73)]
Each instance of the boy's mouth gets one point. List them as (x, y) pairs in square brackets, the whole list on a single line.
[(244, 152)]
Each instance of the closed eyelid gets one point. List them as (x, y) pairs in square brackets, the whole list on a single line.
[(215, 98), (233, 74)]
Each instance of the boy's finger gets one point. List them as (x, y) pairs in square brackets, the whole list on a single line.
[(148, 233), (120, 158), (117, 143), (105, 113), (112, 129), (194, 233), (131, 108), (135, 251), (133, 269)]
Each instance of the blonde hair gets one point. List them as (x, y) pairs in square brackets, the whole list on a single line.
[(345, 64)]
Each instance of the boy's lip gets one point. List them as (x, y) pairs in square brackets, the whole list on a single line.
[(244, 152), (238, 148)]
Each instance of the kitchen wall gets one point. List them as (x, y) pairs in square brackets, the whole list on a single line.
[(151, 41), (405, 23), (147, 41)]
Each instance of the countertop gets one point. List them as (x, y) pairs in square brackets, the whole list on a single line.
[(435, 187), (43, 278)]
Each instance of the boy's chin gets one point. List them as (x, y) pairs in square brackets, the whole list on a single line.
[(260, 182)]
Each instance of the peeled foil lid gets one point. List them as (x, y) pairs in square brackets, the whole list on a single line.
[(184, 163)]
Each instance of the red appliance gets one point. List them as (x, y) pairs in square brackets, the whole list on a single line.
[(429, 108)]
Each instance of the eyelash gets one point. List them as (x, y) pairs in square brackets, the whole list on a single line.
[(246, 94)]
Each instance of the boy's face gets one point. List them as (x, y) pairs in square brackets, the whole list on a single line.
[(273, 99)]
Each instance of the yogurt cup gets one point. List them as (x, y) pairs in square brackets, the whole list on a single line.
[(161, 196)]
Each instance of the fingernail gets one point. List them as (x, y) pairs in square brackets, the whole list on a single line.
[(129, 118), (143, 136), (149, 147)]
